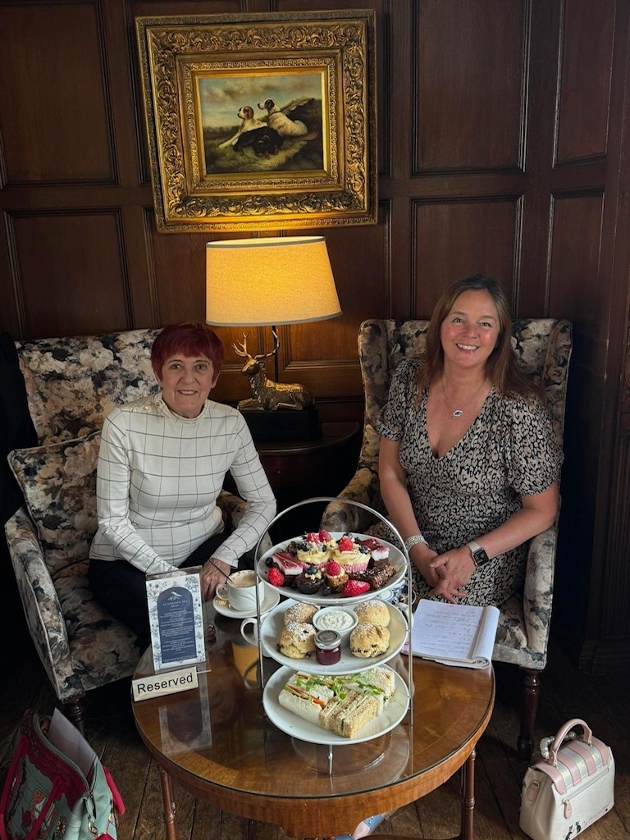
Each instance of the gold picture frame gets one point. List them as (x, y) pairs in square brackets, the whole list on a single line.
[(260, 121)]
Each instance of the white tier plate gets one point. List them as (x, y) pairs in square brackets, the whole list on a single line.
[(273, 623), (396, 558), (303, 730), (270, 600)]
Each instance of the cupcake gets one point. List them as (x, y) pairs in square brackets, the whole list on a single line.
[(310, 581), (350, 555), (336, 576), (314, 548)]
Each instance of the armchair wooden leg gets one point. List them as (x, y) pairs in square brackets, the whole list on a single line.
[(75, 712), (531, 691)]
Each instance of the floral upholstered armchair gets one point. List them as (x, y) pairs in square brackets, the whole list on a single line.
[(543, 347), (71, 385)]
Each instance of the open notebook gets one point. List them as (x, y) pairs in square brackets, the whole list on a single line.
[(454, 634)]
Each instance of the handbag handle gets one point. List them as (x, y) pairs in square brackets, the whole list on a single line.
[(561, 734), (56, 788)]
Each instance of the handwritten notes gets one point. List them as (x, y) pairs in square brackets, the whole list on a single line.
[(455, 634)]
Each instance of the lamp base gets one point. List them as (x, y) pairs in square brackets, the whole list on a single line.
[(284, 424)]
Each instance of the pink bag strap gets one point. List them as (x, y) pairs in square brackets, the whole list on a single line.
[(561, 734), (117, 799), (56, 788)]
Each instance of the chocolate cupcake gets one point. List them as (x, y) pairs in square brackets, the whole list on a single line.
[(310, 581)]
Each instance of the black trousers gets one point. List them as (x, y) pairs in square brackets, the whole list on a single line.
[(120, 587)]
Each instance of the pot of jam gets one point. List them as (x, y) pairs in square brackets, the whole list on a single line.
[(328, 647)]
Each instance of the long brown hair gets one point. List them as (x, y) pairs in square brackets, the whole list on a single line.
[(502, 367)]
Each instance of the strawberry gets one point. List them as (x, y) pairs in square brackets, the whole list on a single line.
[(333, 569), (324, 536), (312, 536), (275, 577), (355, 587), (345, 544)]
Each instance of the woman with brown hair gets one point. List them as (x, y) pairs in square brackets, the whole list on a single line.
[(468, 464)]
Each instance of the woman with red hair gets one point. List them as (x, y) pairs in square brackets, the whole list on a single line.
[(161, 467)]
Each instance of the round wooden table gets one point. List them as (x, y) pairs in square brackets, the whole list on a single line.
[(217, 743)]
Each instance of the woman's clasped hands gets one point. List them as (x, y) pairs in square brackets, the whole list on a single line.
[(447, 573), (454, 570)]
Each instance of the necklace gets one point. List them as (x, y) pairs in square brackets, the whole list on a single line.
[(459, 411)]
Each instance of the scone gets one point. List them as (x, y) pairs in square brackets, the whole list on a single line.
[(367, 640), (374, 612), (297, 640), (300, 613)]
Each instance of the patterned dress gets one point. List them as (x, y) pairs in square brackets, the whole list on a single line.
[(509, 451)]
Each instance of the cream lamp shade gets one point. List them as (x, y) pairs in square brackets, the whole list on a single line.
[(269, 281)]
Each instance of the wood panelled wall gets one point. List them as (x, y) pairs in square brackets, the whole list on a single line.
[(503, 148)]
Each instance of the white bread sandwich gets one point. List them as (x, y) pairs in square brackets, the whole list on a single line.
[(348, 715), (342, 704), (306, 695)]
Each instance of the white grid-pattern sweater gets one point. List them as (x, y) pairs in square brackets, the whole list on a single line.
[(158, 479)]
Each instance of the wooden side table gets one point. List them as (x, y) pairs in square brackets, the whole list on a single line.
[(301, 469)]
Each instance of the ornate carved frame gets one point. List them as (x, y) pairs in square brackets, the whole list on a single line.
[(179, 53)]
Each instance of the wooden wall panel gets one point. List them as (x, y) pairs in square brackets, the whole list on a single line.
[(576, 245), (470, 77), (461, 238), (615, 612), (178, 266), (71, 277), (54, 113), (574, 294), (584, 101)]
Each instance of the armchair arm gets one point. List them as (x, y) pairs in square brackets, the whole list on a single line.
[(233, 509), (538, 590), (363, 487), (40, 602)]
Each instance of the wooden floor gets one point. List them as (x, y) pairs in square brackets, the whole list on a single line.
[(601, 701)]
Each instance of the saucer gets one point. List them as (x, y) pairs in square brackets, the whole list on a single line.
[(270, 600)]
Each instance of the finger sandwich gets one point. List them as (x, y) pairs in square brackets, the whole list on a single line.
[(306, 696), (347, 715)]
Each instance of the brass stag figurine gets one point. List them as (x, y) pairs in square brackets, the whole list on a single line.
[(268, 395)]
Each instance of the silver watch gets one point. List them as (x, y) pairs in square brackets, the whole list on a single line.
[(479, 556)]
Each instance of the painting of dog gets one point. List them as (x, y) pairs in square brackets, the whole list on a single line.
[(249, 123)]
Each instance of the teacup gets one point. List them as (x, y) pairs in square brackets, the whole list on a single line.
[(246, 661), (250, 636), (240, 590)]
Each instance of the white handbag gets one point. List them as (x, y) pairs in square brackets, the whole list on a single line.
[(571, 788)]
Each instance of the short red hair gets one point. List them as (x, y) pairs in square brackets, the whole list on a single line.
[(189, 339)]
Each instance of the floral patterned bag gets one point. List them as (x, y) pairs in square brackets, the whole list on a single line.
[(46, 795)]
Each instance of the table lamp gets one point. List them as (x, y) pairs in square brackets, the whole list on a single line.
[(268, 282)]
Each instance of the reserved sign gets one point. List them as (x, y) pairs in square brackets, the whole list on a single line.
[(161, 684)]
